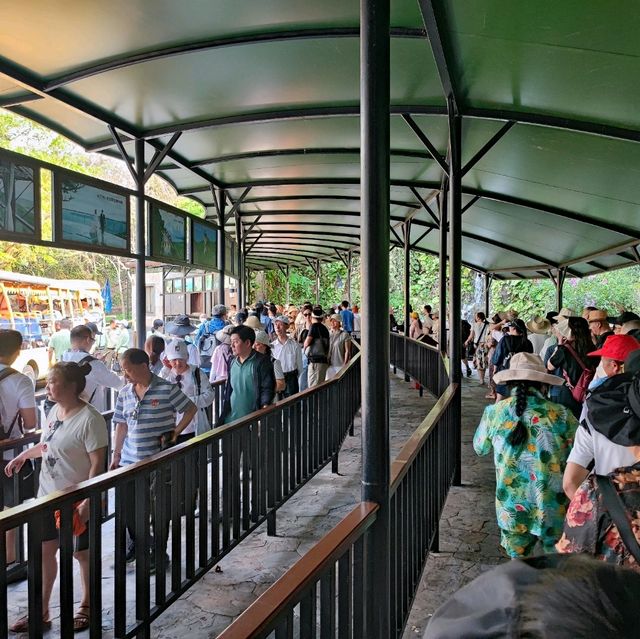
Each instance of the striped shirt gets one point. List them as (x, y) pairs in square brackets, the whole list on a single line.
[(148, 418)]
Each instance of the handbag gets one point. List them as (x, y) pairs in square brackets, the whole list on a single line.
[(581, 387), (614, 504)]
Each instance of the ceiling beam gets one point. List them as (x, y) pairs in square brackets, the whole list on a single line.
[(414, 244), (435, 154), (130, 59), (237, 203), (20, 98), (487, 147), (441, 54), (425, 206), (159, 155), (311, 181), (553, 210), (469, 204), (328, 196)]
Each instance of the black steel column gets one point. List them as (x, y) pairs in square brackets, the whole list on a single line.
[(221, 247), (141, 302), (455, 266), (487, 293), (317, 282), (442, 286), (240, 258), (407, 292), (559, 287), (375, 218), (349, 264)]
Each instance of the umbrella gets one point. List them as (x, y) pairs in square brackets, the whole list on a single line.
[(106, 297)]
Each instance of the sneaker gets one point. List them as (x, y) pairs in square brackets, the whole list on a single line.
[(469, 372)]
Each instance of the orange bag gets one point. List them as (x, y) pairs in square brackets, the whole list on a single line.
[(78, 526)]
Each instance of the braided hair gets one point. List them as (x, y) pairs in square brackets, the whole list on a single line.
[(518, 436)]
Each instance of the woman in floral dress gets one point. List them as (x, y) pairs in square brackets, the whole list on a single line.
[(531, 438)]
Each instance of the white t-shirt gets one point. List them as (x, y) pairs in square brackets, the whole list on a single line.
[(16, 392), (590, 445), (479, 331), (98, 379), (189, 387), (538, 341), (65, 449)]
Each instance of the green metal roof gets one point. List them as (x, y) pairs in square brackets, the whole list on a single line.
[(266, 97)]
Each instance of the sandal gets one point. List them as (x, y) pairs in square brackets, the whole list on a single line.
[(81, 619), (22, 625)]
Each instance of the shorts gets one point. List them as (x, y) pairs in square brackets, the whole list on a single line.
[(50, 532)]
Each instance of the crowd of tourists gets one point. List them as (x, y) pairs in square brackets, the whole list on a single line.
[(262, 355)]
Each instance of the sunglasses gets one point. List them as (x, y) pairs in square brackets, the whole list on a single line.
[(307, 314), (135, 412), (54, 428)]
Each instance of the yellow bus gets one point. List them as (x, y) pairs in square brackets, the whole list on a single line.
[(32, 305)]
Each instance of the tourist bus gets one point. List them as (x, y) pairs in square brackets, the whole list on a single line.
[(32, 305)]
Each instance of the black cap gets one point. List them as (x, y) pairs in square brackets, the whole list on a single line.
[(94, 328), (623, 318), (551, 316)]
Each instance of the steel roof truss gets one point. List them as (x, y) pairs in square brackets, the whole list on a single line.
[(238, 202), (487, 147), (159, 155), (253, 244), (415, 244), (424, 205), (123, 153), (435, 154)]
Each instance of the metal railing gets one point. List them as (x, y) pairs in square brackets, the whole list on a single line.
[(324, 594), (424, 362), (236, 476), (421, 476)]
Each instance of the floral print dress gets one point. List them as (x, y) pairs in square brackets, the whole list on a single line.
[(588, 526), (529, 495)]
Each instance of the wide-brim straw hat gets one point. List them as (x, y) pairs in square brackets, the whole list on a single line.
[(539, 325), (562, 327), (527, 367), (253, 322)]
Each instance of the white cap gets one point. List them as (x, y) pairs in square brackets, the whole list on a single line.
[(177, 349)]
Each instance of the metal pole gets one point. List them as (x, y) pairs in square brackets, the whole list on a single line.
[(221, 248), (240, 258), (455, 274), (407, 293), (374, 168), (559, 287), (487, 293), (288, 295), (348, 291), (141, 319), (317, 282), (442, 287)]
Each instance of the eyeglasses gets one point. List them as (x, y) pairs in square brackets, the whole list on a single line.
[(135, 412), (307, 314), (54, 428)]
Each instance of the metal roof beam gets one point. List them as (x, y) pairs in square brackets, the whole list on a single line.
[(319, 234), (253, 244), (597, 265), (311, 223), (435, 154), (124, 155), (20, 98), (425, 206), (487, 147), (552, 210), (293, 239), (159, 155), (250, 155), (396, 235), (238, 202), (328, 196), (441, 56), (253, 224), (555, 122), (311, 181), (130, 59), (469, 204), (421, 238)]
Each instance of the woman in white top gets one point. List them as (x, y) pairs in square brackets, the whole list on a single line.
[(478, 337), (193, 383), (73, 448)]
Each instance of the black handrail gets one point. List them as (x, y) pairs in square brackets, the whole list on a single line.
[(236, 475)]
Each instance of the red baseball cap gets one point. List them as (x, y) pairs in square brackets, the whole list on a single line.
[(617, 347)]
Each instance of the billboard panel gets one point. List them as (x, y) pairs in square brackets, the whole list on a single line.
[(204, 244), (168, 234), (19, 199)]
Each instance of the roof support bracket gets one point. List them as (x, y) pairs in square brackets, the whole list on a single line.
[(342, 259), (160, 155), (469, 204), (253, 224), (238, 202), (435, 154), (396, 236), (123, 152), (636, 253), (487, 147), (253, 244), (421, 238), (424, 205)]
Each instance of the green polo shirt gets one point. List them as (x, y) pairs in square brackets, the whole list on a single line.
[(243, 396), (60, 342)]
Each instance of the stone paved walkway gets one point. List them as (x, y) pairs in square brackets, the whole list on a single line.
[(469, 535)]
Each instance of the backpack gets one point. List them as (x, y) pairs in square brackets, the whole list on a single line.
[(5, 432), (207, 344), (579, 391)]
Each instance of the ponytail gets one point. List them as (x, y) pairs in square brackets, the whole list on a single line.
[(519, 434)]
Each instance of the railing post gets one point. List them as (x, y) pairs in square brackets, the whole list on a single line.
[(443, 378), (407, 295), (374, 124), (455, 265)]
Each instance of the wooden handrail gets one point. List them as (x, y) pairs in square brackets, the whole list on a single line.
[(30, 437), (262, 612), (15, 516), (405, 457)]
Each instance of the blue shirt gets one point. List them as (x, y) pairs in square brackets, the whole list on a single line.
[(147, 419), (347, 320)]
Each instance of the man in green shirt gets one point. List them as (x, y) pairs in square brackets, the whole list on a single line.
[(251, 382), (60, 342)]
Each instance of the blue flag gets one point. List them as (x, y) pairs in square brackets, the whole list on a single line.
[(106, 297)]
